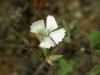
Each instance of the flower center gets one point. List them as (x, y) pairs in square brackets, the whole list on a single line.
[(42, 34)]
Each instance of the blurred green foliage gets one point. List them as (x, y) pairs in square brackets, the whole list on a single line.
[(65, 66), (95, 38), (54, 57), (97, 53), (94, 71)]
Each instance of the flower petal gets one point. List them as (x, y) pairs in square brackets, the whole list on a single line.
[(51, 23), (58, 35), (47, 43), (37, 26)]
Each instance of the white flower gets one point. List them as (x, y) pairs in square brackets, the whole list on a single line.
[(49, 35)]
